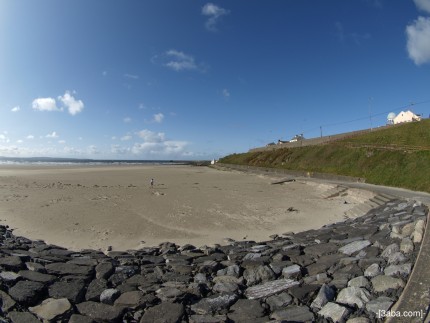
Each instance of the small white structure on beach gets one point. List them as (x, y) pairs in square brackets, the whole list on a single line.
[(406, 116)]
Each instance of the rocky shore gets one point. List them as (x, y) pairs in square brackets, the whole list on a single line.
[(348, 271)]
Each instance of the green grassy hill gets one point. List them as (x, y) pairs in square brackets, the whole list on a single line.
[(397, 156)]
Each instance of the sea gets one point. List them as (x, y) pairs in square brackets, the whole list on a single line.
[(49, 161)]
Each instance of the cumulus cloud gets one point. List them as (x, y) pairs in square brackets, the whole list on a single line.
[(158, 117), (151, 137), (30, 137), (179, 61), (214, 14), (423, 5), (61, 142), (16, 109), (73, 106), (52, 135), (45, 104), (418, 40)]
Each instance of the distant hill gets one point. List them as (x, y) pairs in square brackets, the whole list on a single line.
[(396, 156)]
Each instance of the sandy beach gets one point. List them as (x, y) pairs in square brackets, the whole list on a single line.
[(95, 207)]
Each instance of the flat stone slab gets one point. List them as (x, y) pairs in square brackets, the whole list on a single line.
[(26, 292), (51, 308), (334, 311), (383, 283), (164, 312), (270, 288), (68, 269), (355, 246), (294, 313), (100, 312), (353, 296)]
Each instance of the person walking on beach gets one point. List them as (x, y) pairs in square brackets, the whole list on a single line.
[(152, 182)]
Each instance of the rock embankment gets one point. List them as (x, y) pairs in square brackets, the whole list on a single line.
[(347, 271)]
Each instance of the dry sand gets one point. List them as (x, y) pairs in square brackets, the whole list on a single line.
[(95, 207)]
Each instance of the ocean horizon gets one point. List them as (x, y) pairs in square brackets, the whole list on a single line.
[(54, 161)]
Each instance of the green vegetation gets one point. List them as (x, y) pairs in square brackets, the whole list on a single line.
[(397, 156)]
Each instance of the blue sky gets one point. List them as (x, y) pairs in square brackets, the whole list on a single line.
[(198, 80)]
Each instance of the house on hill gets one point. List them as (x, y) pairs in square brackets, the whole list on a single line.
[(406, 116)]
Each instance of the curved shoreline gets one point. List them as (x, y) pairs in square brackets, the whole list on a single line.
[(153, 281)]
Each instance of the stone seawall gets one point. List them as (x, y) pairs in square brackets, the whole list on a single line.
[(349, 271)]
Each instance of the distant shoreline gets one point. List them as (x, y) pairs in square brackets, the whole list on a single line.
[(52, 161)]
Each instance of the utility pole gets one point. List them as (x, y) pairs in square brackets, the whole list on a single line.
[(321, 131), (370, 113)]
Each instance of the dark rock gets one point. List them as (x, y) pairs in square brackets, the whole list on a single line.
[(11, 263), (246, 310), (320, 249), (258, 274), (135, 299), (36, 276), (27, 292), (294, 314), (22, 317), (77, 318), (382, 303), (104, 270), (73, 290), (7, 303), (325, 294), (208, 319), (166, 312), (304, 293), (277, 302), (68, 269), (100, 312), (94, 290)]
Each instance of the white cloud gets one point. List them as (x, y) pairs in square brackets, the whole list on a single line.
[(126, 137), (214, 13), (52, 135), (226, 93), (61, 142), (4, 138), (19, 141), (167, 148), (418, 40), (73, 106), (158, 117), (93, 150), (423, 5), (179, 61), (16, 109), (131, 76), (151, 137), (127, 120), (30, 137), (45, 104)]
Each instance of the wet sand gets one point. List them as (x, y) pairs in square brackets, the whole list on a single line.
[(95, 207)]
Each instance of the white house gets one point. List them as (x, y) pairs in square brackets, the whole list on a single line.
[(406, 116)]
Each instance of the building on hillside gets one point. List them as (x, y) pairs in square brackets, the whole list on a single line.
[(280, 142), (406, 116), (297, 138)]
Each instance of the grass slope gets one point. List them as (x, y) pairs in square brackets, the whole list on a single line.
[(398, 156)]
